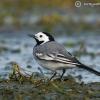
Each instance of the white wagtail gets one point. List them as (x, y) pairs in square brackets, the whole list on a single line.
[(53, 56)]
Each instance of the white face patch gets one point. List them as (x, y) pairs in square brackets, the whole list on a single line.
[(42, 37)]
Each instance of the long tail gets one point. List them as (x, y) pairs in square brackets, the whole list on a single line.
[(89, 69)]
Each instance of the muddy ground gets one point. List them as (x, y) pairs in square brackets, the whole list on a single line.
[(40, 89)]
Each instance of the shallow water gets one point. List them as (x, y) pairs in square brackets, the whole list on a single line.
[(18, 48)]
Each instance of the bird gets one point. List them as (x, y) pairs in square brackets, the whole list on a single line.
[(53, 56)]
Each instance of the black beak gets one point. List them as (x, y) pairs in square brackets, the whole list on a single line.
[(31, 35)]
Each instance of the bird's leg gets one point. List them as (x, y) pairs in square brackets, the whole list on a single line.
[(53, 76), (62, 74)]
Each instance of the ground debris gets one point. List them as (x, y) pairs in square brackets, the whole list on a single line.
[(19, 74), (22, 86)]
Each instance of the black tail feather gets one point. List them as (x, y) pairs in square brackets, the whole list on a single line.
[(89, 69)]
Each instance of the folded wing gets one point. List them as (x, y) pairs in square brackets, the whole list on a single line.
[(56, 57)]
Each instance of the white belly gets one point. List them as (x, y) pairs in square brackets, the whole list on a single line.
[(54, 65)]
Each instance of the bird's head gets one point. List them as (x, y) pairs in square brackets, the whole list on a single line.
[(42, 37)]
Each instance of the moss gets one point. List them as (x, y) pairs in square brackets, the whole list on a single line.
[(70, 44), (3, 49), (69, 90), (1, 20), (39, 89), (27, 4), (50, 21)]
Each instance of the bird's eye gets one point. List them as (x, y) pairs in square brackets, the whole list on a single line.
[(40, 35)]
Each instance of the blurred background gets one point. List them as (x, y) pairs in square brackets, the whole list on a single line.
[(56, 16), (74, 24)]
